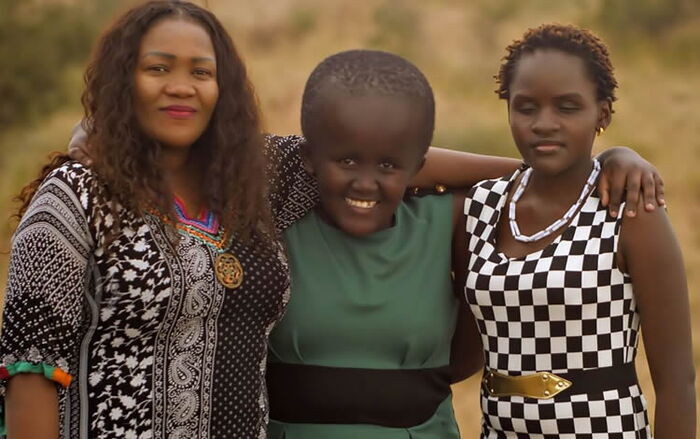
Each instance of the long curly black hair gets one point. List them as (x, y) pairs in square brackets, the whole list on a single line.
[(231, 148)]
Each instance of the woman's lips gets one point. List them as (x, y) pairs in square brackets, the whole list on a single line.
[(547, 147), (362, 204), (179, 111)]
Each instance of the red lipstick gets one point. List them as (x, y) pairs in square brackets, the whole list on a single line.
[(179, 111)]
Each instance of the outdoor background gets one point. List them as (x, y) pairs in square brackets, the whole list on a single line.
[(655, 46)]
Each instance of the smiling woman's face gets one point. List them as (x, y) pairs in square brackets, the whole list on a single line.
[(366, 150), (175, 87)]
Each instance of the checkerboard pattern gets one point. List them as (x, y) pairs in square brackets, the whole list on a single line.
[(566, 307), (613, 414)]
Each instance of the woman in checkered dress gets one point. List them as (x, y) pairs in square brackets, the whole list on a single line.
[(559, 299)]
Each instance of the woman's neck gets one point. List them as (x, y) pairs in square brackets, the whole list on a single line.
[(182, 175), (175, 160), (561, 187)]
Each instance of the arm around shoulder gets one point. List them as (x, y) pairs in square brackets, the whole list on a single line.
[(461, 170)]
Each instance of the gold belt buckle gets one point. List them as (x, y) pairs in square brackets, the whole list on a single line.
[(540, 385)]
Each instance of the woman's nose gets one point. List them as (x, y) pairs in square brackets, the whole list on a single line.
[(545, 122), (180, 87), (365, 181)]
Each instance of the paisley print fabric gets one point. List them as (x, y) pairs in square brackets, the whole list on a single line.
[(156, 346)]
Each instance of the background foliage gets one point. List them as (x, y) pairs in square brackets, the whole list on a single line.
[(655, 44)]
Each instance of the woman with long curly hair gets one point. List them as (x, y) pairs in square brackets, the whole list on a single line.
[(146, 284)]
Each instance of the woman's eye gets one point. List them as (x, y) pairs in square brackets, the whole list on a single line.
[(203, 73), (158, 68), (347, 162), (525, 109), (569, 108)]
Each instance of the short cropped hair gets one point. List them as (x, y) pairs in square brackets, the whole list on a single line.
[(570, 39), (366, 73)]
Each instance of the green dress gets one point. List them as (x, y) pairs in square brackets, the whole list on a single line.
[(383, 301)]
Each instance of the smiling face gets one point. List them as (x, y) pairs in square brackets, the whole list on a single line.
[(554, 111), (175, 87), (364, 151)]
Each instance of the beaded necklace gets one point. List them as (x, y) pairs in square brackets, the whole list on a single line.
[(206, 229), (556, 225)]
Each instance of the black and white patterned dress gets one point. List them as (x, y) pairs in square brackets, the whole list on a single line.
[(156, 346), (565, 308)]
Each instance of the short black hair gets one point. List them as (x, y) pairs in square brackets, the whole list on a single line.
[(567, 38), (366, 73)]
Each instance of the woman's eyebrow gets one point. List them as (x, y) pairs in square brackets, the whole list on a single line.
[(171, 56)]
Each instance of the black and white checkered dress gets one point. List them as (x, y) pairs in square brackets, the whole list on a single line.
[(565, 308)]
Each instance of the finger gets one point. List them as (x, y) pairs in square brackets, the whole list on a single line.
[(660, 192), (604, 189), (617, 188), (80, 152), (87, 160), (649, 191), (634, 184), (77, 152)]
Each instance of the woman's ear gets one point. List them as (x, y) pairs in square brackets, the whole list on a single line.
[(605, 117), (305, 152), (420, 164)]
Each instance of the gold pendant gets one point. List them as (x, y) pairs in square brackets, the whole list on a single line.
[(229, 270)]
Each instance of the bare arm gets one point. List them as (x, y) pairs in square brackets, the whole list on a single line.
[(652, 257), (466, 355), (625, 175), (32, 407), (460, 170)]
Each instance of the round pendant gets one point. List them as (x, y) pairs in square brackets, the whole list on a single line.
[(228, 270)]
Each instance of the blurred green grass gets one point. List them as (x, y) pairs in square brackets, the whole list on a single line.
[(458, 44)]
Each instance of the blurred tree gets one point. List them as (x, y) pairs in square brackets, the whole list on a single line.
[(38, 42), (302, 21), (627, 18), (398, 28)]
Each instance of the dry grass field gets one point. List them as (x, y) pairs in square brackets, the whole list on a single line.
[(458, 44)]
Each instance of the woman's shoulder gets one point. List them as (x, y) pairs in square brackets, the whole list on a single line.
[(72, 173), (274, 141), (433, 209), (428, 203), (73, 181), (491, 188)]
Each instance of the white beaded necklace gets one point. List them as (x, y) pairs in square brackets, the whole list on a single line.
[(515, 230)]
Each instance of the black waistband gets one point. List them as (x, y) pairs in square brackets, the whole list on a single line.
[(336, 395), (599, 379)]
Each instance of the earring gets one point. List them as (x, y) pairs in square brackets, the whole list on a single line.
[(599, 131)]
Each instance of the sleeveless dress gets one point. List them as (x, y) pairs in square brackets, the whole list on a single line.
[(143, 338), (564, 309), (381, 302)]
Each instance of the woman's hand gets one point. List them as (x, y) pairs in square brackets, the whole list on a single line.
[(626, 172), (77, 146), (31, 407)]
